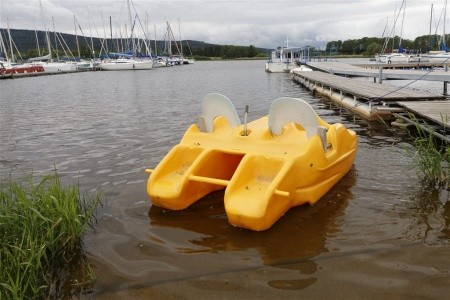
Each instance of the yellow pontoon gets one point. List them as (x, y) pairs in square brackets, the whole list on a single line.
[(288, 158)]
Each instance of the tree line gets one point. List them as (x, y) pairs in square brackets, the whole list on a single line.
[(370, 46), (25, 44), (30, 43)]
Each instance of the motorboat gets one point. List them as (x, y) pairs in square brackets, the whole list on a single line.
[(284, 59)]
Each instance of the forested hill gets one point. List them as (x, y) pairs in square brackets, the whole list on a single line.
[(28, 42)]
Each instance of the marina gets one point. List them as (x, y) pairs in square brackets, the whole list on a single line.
[(320, 170), (375, 223)]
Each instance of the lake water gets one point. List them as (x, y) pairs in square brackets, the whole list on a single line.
[(380, 232)]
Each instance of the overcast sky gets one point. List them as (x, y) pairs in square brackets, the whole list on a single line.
[(237, 22)]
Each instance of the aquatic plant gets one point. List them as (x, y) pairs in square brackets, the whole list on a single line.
[(430, 156), (41, 229)]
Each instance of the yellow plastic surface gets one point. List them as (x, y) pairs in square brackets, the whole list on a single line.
[(264, 175)]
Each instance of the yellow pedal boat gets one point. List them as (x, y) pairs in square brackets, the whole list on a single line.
[(288, 158)]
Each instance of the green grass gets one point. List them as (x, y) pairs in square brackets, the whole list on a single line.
[(41, 229), (431, 157)]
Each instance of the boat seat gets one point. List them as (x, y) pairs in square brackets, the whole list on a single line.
[(284, 110), (214, 105)]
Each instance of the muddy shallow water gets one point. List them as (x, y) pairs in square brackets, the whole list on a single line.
[(379, 232)]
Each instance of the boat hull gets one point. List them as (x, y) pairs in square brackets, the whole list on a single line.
[(126, 65), (21, 69), (280, 67)]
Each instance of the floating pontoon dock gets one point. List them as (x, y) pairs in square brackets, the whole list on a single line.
[(379, 73), (369, 100), (431, 116), (374, 101)]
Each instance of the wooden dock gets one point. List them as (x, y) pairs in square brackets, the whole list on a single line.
[(363, 89), (25, 75), (371, 101), (435, 111), (433, 117), (374, 101), (379, 73)]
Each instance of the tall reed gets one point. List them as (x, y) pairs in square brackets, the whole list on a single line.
[(430, 156), (41, 229)]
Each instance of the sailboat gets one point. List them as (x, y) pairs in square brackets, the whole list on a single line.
[(399, 55), (441, 56), (184, 60), (170, 58), (46, 61), (127, 61), (126, 64)]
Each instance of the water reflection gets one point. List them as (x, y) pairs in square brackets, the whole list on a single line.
[(291, 243), (429, 211)]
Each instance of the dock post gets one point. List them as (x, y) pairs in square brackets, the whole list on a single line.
[(445, 82), (380, 74)]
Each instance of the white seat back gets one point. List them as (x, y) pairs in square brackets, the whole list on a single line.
[(214, 105), (285, 109)]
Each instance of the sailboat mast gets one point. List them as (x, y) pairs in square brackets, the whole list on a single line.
[(47, 37), (76, 35), (110, 30), (431, 18), (92, 40), (37, 40), (156, 46), (403, 20), (131, 27), (3, 46), (10, 43), (445, 20), (169, 37), (56, 41), (181, 41), (104, 32)]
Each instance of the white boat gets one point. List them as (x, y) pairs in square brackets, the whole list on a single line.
[(85, 65), (393, 58), (51, 66), (126, 64), (187, 61), (284, 59), (131, 60), (55, 67), (397, 55), (159, 62), (9, 69), (302, 68), (442, 56), (439, 57), (173, 60)]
